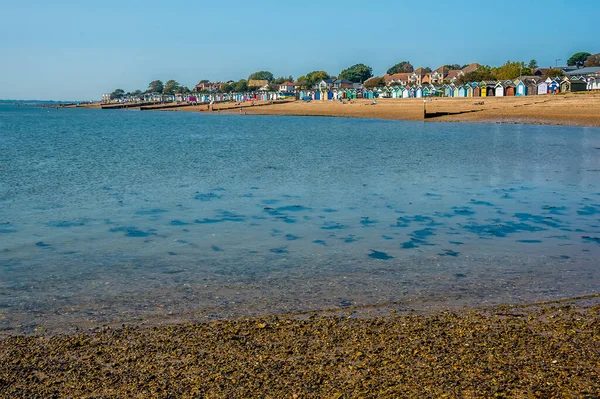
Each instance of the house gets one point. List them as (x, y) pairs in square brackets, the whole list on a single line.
[(438, 76), (417, 76), (587, 72), (331, 83), (287, 87), (106, 98), (209, 86), (469, 68), (396, 79), (539, 72), (257, 82)]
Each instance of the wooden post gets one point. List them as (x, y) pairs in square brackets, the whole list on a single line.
[(424, 109)]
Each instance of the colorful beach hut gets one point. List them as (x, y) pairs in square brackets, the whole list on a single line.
[(521, 89), (542, 87), (499, 89), (554, 87)]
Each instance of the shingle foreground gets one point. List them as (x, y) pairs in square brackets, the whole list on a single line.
[(532, 352)]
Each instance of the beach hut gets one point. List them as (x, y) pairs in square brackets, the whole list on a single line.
[(462, 91), (448, 91), (396, 92), (542, 87), (426, 91), (553, 87), (521, 88), (476, 89), (469, 90), (509, 88), (531, 86), (455, 90), (499, 89), (405, 92), (419, 92)]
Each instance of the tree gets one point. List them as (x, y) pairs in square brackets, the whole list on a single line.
[(261, 75), (227, 88), (554, 72), (400, 67), (310, 79), (578, 59), (205, 81), (453, 66), (532, 64), (426, 69), (118, 93), (241, 86), (156, 86), (171, 87), (592, 60), (511, 70), (480, 74), (357, 73), (376, 81)]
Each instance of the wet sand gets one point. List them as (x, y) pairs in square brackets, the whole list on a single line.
[(577, 109), (536, 351)]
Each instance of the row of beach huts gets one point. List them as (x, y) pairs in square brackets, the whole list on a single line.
[(525, 86)]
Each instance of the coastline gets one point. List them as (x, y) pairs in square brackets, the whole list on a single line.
[(546, 349), (567, 109)]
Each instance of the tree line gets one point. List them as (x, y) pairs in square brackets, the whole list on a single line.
[(361, 73)]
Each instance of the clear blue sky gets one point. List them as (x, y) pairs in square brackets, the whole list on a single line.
[(77, 50)]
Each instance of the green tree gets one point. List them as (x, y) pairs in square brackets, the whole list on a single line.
[(400, 67), (204, 81), (480, 74), (156, 86), (137, 93), (453, 66), (118, 93), (356, 73), (261, 75), (171, 87), (227, 88), (511, 70), (532, 64), (592, 60), (376, 81), (578, 59), (241, 86)]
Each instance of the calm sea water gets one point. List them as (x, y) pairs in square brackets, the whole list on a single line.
[(125, 216)]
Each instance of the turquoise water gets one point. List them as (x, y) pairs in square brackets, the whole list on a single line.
[(128, 216)]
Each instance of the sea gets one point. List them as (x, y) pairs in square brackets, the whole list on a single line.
[(111, 217)]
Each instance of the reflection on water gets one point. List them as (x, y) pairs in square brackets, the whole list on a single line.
[(123, 216)]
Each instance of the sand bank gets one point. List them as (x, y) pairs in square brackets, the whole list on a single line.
[(568, 109), (537, 351)]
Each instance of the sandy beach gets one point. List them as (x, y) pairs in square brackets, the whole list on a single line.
[(536, 351), (569, 109)]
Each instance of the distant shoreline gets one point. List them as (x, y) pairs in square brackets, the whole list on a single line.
[(582, 109)]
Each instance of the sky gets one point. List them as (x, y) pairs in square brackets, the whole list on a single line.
[(78, 50)]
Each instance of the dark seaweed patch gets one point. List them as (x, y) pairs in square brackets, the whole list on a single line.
[(365, 221), (459, 275), (281, 250), (423, 233), (588, 210), (387, 237), (293, 208), (463, 210), (350, 239), (42, 244), (291, 237), (500, 229), (329, 210), (207, 197), (485, 203), (171, 253), (530, 241), (66, 223), (409, 245), (320, 242), (449, 252), (215, 248), (379, 255), (178, 223), (456, 242), (150, 211), (546, 220), (333, 226), (591, 239), (131, 231)]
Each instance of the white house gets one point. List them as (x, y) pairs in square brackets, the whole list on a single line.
[(287, 87)]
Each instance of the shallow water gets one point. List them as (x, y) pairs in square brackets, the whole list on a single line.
[(123, 216)]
